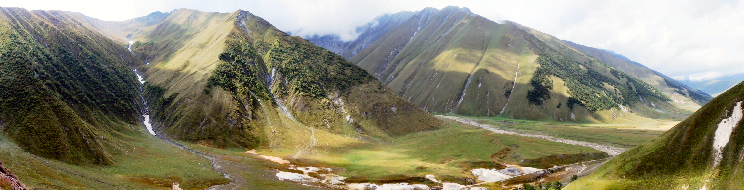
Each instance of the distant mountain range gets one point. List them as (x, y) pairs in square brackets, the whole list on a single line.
[(454, 61), (714, 86)]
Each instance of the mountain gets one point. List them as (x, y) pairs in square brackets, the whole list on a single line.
[(121, 31), (234, 80), (66, 90), (680, 93), (714, 86), (454, 61), (704, 151)]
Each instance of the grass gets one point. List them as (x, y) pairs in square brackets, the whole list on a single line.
[(618, 135), (448, 151), (680, 157), (146, 162)]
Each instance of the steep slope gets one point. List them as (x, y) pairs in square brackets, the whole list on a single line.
[(452, 60), (233, 80), (65, 89), (705, 151), (680, 93)]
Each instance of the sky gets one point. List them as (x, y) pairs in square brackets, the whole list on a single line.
[(679, 38)]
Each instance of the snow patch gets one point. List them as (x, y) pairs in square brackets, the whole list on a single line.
[(432, 178), (516, 74), (489, 175), (395, 186), (289, 176), (455, 186), (148, 125), (723, 133)]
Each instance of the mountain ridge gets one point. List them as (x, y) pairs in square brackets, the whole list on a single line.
[(252, 80), (440, 60), (679, 92)]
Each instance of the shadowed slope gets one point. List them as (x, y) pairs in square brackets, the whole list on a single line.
[(235, 80), (63, 87)]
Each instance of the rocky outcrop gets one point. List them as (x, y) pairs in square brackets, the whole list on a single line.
[(8, 180)]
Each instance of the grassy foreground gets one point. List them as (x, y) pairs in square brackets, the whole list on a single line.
[(144, 162)]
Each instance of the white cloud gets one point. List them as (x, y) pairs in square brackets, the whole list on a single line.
[(677, 38)]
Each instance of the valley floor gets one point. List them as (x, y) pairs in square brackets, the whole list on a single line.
[(448, 153)]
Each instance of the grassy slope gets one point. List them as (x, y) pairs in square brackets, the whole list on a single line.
[(75, 99), (319, 88), (683, 96), (680, 157), (428, 59), (146, 162), (64, 86)]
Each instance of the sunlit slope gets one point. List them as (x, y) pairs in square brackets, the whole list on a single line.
[(704, 150), (65, 87), (682, 95), (233, 80), (453, 61)]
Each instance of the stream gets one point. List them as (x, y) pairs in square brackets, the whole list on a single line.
[(610, 150), (215, 160)]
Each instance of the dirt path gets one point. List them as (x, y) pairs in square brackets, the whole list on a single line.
[(611, 150)]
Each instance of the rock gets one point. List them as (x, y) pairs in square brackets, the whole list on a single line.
[(512, 171), (432, 178), (9, 181)]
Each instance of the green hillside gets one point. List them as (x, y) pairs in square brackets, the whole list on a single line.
[(233, 80), (453, 61), (65, 87), (686, 156), (682, 95)]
